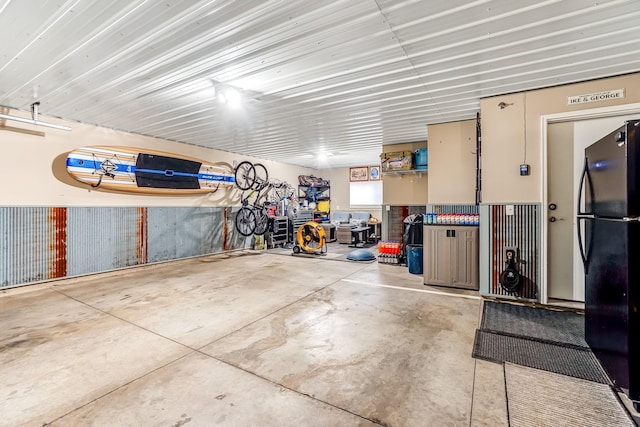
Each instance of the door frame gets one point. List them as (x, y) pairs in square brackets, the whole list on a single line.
[(545, 120)]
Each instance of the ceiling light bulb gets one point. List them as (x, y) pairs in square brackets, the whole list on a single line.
[(231, 97)]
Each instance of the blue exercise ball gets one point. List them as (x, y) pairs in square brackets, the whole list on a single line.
[(361, 255)]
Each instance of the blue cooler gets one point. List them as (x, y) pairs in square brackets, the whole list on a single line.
[(422, 159)]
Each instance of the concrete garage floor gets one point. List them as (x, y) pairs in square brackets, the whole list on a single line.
[(245, 339)]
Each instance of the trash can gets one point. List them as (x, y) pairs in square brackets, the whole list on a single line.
[(412, 230), (414, 259)]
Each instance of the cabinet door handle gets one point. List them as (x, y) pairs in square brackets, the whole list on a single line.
[(453, 233), (448, 233)]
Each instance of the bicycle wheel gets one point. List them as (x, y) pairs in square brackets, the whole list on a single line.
[(245, 221), (283, 192), (262, 176), (262, 222), (276, 192), (245, 175)]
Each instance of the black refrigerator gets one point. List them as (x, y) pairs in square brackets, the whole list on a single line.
[(609, 241)]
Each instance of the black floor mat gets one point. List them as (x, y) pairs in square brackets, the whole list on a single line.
[(539, 338), (335, 252), (563, 327), (567, 360)]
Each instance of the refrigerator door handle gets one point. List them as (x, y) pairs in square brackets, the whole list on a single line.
[(581, 246), (585, 173)]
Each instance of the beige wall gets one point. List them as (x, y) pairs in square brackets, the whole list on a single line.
[(406, 189), (33, 171), (452, 162), (339, 178), (504, 146)]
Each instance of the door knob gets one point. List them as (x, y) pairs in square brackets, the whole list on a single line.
[(552, 219)]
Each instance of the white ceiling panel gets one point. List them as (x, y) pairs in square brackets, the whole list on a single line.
[(335, 77)]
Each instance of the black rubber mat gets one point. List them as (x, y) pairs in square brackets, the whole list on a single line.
[(570, 360), (553, 326), (335, 252)]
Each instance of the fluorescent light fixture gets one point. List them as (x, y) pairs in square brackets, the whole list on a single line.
[(34, 120)]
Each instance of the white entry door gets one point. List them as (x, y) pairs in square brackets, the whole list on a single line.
[(560, 210), (566, 142)]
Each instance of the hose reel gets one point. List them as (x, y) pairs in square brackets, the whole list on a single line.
[(510, 278)]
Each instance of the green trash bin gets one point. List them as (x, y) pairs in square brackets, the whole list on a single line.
[(414, 259)]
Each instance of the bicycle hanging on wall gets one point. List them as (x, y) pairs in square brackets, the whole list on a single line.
[(253, 179)]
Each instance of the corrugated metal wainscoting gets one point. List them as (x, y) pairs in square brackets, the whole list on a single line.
[(500, 231), (44, 243), (452, 209)]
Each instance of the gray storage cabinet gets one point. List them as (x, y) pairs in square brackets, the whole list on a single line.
[(450, 256)]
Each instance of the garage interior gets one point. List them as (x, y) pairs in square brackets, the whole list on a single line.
[(415, 166)]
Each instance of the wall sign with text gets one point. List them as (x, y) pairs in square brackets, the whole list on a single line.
[(607, 95)]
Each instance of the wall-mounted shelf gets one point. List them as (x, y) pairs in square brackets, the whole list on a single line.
[(402, 173)]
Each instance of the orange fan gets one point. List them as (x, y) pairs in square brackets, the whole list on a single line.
[(310, 238)]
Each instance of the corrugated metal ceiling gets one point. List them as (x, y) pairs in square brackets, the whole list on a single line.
[(339, 77)]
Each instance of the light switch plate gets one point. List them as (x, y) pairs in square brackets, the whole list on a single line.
[(510, 209)]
